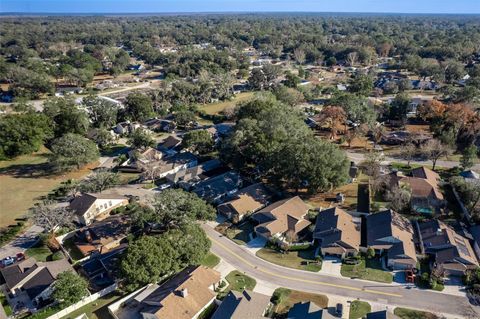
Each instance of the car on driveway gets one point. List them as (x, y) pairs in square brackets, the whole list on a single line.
[(339, 310), (7, 261)]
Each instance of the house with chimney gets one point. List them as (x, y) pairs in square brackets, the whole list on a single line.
[(184, 296), (246, 201), (102, 236), (337, 233), (452, 253), (284, 220)]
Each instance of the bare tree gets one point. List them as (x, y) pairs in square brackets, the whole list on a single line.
[(49, 215), (434, 150), (99, 181), (352, 58), (372, 163), (299, 55), (408, 152), (399, 198)]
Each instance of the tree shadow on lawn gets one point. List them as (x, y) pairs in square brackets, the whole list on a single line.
[(29, 170)]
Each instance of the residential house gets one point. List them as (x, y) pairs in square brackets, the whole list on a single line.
[(126, 127), (452, 253), (337, 233), (308, 310), (241, 305), (184, 296), (101, 268), (160, 125), (246, 201), (90, 207), (216, 189), (162, 165), (390, 233), (383, 314), (102, 236), (424, 184), (186, 178), (475, 234), (30, 282), (169, 143), (285, 218), (471, 177), (424, 85)]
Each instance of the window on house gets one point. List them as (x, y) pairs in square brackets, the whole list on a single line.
[(110, 203)]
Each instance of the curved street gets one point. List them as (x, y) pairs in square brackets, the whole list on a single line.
[(389, 294)]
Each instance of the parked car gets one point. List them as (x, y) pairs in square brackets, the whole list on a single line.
[(7, 261), (19, 256), (339, 310)]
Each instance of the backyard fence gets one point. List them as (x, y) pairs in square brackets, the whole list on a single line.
[(84, 302)]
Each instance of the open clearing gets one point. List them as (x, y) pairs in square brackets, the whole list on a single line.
[(216, 108), (22, 184)]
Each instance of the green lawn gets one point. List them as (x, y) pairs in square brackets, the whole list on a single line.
[(240, 234), (405, 313), (369, 270), (301, 259), (5, 305), (239, 282), (210, 260), (284, 299), (358, 309), (217, 108), (96, 309), (41, 253), (69, 245)]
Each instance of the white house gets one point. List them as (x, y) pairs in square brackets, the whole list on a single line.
[(90, 207)]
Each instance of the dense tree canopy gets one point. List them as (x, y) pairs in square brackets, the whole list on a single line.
[(272, 137), (69, 288), (23, 133), (72, 150)]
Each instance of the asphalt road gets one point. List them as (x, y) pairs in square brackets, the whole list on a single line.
[(359, 157), (394, 295)]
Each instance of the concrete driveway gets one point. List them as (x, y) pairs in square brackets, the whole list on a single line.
[(331, 266), (22, 242), (256, 244)]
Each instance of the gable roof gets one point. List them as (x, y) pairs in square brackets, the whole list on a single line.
[(248, 199), (334, 225), (308, 310), (81, 204), (33, 276), (282, 216), (393, 232), (446, 244), (423, 183), (381, 315), (195, 281), (241, 305), (170, 142)]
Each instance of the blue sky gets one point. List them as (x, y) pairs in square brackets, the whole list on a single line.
[(142, 6)]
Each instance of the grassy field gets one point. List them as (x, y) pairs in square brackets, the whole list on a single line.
[(286, 298), (367, 270), (358, 309), (211, 260), (405, 313), (96, 309), (301, 259), (217, 108), (24, 180)]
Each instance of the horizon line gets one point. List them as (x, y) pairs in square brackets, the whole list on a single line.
[(13, 13)]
